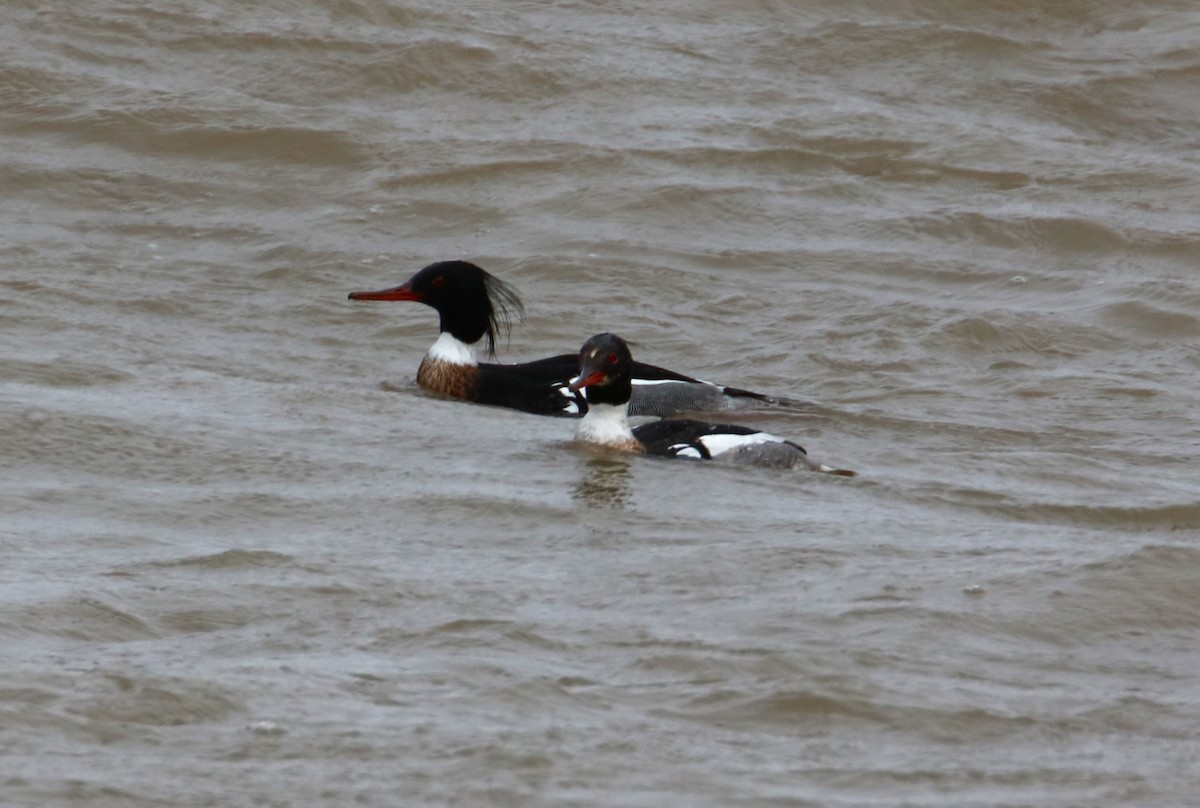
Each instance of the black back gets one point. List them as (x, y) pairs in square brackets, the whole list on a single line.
[(538, 387)]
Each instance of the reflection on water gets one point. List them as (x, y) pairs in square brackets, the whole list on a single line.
[(605, 482)]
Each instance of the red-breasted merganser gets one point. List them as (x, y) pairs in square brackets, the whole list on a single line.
[(605, 365), (475, 305)]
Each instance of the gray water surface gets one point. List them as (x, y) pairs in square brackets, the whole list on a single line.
[(244, 560)]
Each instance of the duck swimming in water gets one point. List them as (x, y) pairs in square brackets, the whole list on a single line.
[(605, 371), (475, 306)]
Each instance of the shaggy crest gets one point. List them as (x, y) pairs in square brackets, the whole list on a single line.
[(504, 305)]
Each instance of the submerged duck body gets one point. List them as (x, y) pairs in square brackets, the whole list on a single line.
[(475, 306), (605, 365)]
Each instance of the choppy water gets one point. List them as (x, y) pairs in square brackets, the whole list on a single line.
[(244, 561)]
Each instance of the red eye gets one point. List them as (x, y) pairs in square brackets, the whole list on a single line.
[(612, 359), (439, 280)]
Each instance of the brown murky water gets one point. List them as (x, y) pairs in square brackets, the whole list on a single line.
[(244, 561)]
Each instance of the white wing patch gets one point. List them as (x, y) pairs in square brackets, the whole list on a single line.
[(572, 404), (722, 442), (685, 450)]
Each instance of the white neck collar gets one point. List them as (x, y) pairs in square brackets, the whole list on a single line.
[(605, 424), (452, 351)]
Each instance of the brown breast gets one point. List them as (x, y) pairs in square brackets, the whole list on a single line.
[(457, 381)]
